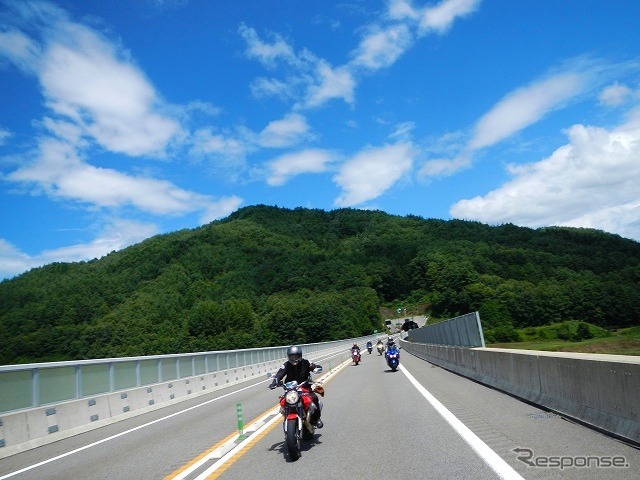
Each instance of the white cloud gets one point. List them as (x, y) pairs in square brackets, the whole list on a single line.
[(382, 47), (4, 136), (438, 18), (307, 161), (402, 133), (285, 132), (315, 81), (442, 167), (267, 53), (60, 172), (237, 146), (372, 172), (89, 81), (271, 87), (12, 260), (592, 181), (84, 80), (205, 107), (614, 95), (20, 50), (441, 17), (116, 235), (220, 209), (330, 83), (524, 107), (401, 10)]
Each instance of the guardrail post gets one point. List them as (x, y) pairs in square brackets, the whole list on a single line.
[(112, 377), (35, 387), (78, 381)]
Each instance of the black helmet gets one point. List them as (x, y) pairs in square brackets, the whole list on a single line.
[(294, 354)]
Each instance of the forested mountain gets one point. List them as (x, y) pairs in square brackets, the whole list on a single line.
[(272, 276)]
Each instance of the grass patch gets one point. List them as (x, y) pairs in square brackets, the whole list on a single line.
[(625, 341)]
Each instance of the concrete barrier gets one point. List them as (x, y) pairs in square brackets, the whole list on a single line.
[(601, 391), (26, 429)]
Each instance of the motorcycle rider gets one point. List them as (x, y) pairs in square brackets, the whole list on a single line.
[(355, 349), (392, 347), (369, 346), (299, 369)]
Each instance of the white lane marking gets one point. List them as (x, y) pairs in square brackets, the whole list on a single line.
[(44, 462), (225, 451), (491, 458), (237, 449), (77, 450)]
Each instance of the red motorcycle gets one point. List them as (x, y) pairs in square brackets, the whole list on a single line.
[(355, 356), (297, 407)]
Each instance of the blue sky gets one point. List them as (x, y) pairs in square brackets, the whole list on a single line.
[(123, 119)]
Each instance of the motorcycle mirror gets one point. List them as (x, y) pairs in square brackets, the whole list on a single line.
[(269, 374), (317, 370)]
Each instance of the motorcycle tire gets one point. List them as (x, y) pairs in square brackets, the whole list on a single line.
[(292, 439)]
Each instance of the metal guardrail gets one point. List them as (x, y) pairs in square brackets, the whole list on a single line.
[(36, 384), (462, 331)]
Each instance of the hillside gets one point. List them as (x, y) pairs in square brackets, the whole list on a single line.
[(272, 276)]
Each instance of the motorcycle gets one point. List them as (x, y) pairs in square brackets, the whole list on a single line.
[(355, 356), (369, 349), (380, 348), (393, 358), (297, 407)]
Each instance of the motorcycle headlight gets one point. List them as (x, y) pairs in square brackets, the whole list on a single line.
[(291, 397)]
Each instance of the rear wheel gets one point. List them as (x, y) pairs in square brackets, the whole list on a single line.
[(293, 439)]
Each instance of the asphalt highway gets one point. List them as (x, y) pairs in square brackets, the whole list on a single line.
[(418, 422)]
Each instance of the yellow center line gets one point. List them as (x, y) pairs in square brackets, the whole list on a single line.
[(241, 452), (220, 444)]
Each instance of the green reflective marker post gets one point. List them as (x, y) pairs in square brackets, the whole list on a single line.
[(240, 422)]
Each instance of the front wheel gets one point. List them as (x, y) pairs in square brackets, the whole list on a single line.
[(292, 439)]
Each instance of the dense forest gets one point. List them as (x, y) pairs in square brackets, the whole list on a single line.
[(273, 276)]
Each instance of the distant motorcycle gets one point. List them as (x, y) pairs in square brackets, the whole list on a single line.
[(297, 407), (393, 358), (380, 348), (369, 349), (355, 356)]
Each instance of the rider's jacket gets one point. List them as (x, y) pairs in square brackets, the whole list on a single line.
[(300, 372)]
